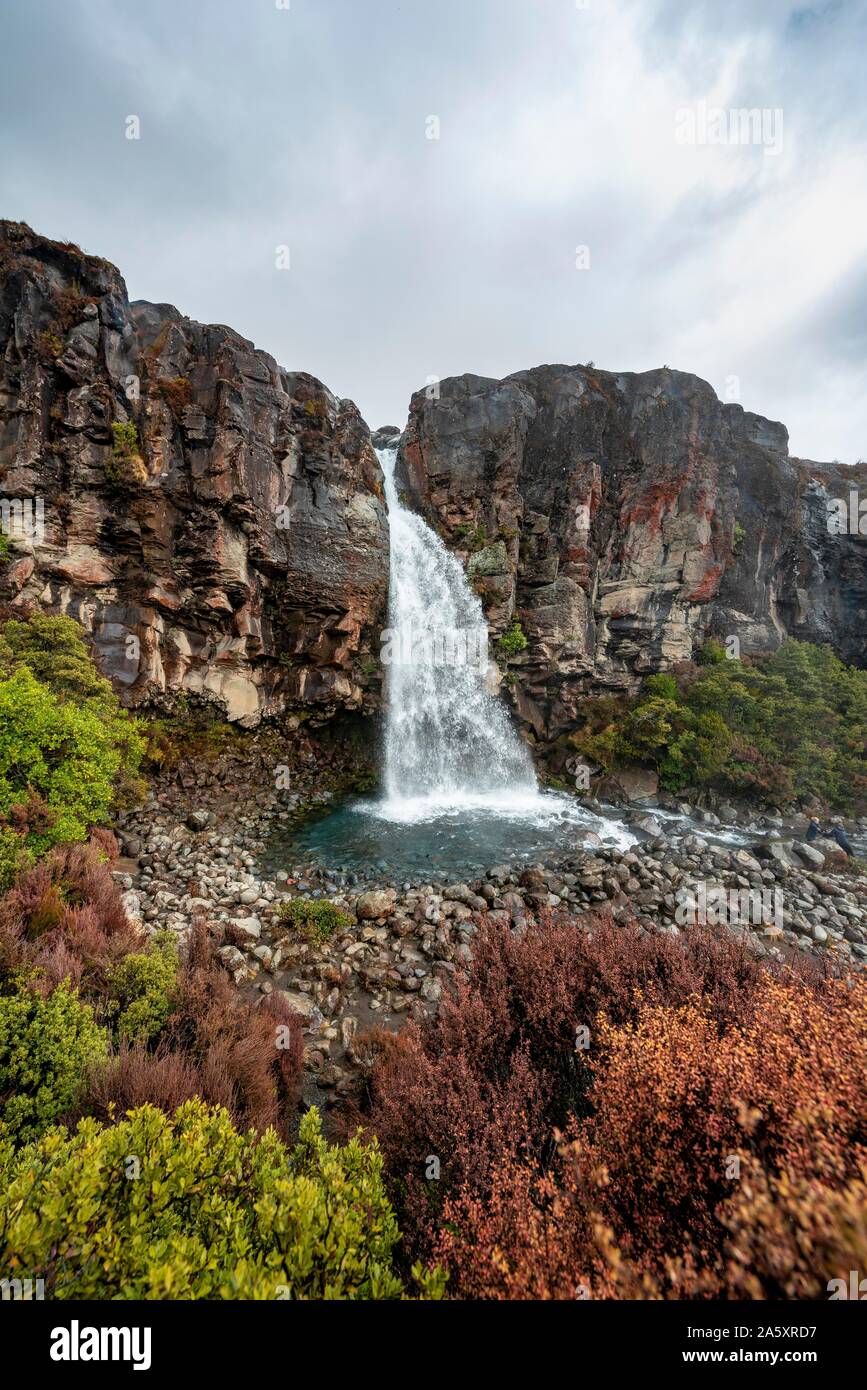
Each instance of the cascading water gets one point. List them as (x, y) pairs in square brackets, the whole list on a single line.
[(448, 739), (459, 789)]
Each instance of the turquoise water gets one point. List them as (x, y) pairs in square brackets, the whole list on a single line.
[(420, 840)]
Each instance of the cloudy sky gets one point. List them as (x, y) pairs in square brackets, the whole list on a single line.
[(307, 124)]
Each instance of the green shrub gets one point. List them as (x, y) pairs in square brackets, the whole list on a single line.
[(711, 654), (125, 438), (64, 737), (142, 989), (789, 725), (126, 466), (512, 641), (185, 1206), (54, 650), (191, 733), (63, 752), (47, 1047), (316, 917), (15, 857)]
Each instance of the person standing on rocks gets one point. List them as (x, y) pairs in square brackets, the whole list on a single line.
[(836, 832)]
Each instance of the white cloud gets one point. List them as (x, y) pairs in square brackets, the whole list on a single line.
[(413, 257)]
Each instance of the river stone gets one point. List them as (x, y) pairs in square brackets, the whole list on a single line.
[(812, 856), (781, 854), (377, 903), (131, 903), (303, 1004), (648, 824), (247, 928)]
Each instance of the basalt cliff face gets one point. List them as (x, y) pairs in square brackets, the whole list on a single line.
[(216, 523), (623, 518)]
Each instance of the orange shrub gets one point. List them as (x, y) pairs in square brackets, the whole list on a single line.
[(719, 1160)]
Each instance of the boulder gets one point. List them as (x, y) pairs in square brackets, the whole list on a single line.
[(379, 902), (835, 857), (808, 852), (648, 824), (246, 930), (628, 784)]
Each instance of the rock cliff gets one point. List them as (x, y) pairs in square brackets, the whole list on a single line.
[(215, 522), (623, 518)]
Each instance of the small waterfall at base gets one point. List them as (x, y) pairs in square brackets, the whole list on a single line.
[(448, 742)]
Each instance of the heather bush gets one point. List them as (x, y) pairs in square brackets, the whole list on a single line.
[(63, 918), (502, 1065), (712, 1163), (47, 1046), (186, 1206), (706, 1136), (247, 1057)]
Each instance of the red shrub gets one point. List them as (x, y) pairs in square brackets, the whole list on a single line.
[(133, 1077), (65, 917), (218, 1045), (247, 1056), (715, 1162), (488, 1080)]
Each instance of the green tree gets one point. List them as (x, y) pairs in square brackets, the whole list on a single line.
[(63, 752), (53, 650)]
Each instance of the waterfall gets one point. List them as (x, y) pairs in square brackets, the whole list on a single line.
[(448, 742)]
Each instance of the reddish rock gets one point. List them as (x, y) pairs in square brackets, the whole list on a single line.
[(638, 515), (237, 547)]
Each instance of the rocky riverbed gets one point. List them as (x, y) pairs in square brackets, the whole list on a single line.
[(195, 852)]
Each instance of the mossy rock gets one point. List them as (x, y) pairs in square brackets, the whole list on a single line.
[(493, 559)]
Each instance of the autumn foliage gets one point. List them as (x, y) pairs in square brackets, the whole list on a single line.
[(711, 1141)]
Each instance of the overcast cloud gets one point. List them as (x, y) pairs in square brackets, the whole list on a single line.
[(414, 257)]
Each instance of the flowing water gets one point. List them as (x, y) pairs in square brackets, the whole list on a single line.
[(448, 740), (459, 789)]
